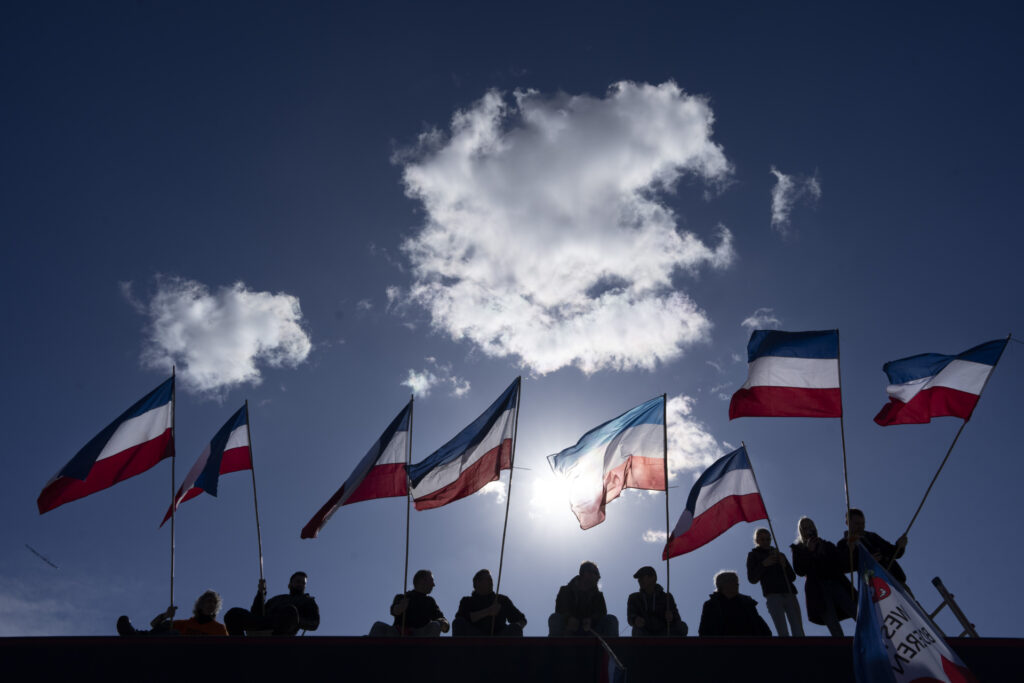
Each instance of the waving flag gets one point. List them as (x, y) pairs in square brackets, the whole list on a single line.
[(227, 452), (933, 385), (473, 458), (725, 495), (627, 452), (380, 474), (791, 374), (138, 439), (894, 639)]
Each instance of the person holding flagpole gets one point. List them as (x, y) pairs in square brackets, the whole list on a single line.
[(770, 568), (651, 611), (580, 607), (415, 612), (828, 593)]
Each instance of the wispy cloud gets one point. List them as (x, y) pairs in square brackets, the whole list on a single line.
[(219, 340), (545, 237), (364, 305), (761, 319), (788, 190), (652, 536), (691, 446), (421, 382)]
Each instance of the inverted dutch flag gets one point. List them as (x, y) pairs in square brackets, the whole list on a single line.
[(725, 495), (380, 474), (227, 452), (791, 374), (895, 641), (472, 459), (933, 385), (627, 452), (138, 439)]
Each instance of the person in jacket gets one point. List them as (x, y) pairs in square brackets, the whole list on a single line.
[(728, 613), (282, 615), (203, 622), (770, 568), (828, 594), (415, 612), (880, 549), (651, 611), (485, 614), (580, 607)]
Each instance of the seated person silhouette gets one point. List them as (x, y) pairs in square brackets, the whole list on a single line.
[(580, 607), (282, 615), (203, 622), (415, 612), (486, 614), (727, 613)]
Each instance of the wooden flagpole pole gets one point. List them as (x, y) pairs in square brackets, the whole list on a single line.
[(508, 493), (948, 452), (174, 400), (408, 502), (846, 478), (255, 502), (668, 529)]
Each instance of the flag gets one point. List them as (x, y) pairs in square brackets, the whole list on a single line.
[(473, 458), (933, 385), (380, 474), (725, 495), (791, 374), (138, 439), (227, 452), (627, 452), (894, 639)]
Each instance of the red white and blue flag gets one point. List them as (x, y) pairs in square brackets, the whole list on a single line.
[(137, 440), (933, 385), (227, 452), (380, 474), (472, 459), (725, 495), (626, 452), (791, 374), (895, 641)]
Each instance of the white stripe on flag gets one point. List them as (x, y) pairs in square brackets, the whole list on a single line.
[(962, 375), (138, 430), (239, 437), (448, 473), (799, 373), (732, 483)]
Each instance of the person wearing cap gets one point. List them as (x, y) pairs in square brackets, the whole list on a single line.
[(651, 611), (580, 607), (486, 614)]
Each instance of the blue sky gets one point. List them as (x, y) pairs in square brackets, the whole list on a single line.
[(320, 209)]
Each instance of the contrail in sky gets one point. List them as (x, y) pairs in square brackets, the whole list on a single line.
[(40, 556)]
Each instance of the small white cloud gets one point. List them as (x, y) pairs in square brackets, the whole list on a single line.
[(691, 447), (546, 236), (496, 489), (422, 381), (218, 340), (788, 190), (129, 295), (716, 366), (652, 536), (761, 319), (364, 305), (721, 391)]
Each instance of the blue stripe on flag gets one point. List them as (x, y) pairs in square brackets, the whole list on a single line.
[(208, 478), (930, 364), (651, 412), (821, 344)]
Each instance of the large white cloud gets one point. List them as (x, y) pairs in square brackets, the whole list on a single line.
[(546, 237), (691, 447), (219, 340)]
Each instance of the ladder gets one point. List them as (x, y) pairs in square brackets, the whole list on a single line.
[(947, 599)]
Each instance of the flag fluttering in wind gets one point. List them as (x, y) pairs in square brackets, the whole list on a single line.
[(791, 374), (894, 639), (626, 452), (380, 474), (933, 385), (725, 495), (472, 459), (137, 440), (227, 452)]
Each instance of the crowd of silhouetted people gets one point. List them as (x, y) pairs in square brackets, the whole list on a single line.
[(580, 607)]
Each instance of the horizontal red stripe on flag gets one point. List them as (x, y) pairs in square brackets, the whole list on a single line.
[(636, 473), (715, 521), (785, 402), (382, 481), (472, 479), (107, 472), (236, 460), (929, 403)]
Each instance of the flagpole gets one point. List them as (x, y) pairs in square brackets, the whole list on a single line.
[(508, 493), (255, 503), (174, 401), (668, 567), (775, 539), (846, 478), (948, 452), (408, 499)]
